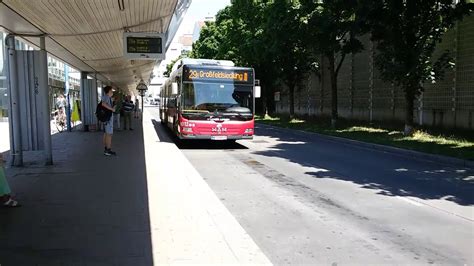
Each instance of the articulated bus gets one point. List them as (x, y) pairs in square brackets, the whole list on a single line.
[(209, 99)]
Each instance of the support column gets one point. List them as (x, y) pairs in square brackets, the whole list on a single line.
[(16, 150), (95, 92), (43, 61), (68, 98), (95, 100), (83, 101)]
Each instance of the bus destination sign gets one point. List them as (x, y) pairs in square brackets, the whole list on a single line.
[(143, 46), (219, 75)]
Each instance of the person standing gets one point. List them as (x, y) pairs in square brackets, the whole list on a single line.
[(127, 107), (75, 112), (106, 102), (61, 103), (117, 103), (5, 192), (137, 108)]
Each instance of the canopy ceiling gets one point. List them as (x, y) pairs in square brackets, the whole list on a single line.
[(88, 34)]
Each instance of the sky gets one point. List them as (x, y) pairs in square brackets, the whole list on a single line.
[(198, 10)]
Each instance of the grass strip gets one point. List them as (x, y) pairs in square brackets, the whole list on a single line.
[(453, 144)]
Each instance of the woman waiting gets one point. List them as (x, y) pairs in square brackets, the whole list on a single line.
[(5, 192), (137, 109)]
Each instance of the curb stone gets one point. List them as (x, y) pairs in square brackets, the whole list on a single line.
[(394, 150)]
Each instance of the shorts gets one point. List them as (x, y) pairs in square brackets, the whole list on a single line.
[(109, 126)]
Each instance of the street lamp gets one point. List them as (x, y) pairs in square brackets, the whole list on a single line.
[(142, 88)]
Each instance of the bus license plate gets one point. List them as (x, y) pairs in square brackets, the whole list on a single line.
[(219, 137)]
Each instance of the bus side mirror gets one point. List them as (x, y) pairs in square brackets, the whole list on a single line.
[(174, 88), (257, 91)]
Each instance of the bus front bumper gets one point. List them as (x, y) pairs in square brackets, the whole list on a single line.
[(215, 137)]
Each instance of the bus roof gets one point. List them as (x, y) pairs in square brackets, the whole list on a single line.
[(202, 62)]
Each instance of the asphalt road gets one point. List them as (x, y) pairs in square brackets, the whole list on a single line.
[(305, 199)]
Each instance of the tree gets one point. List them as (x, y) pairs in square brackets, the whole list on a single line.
[(208, 43), (285, 41), (238, 35), (331, 30), (169, 67), (213, 42), (406, 34), (249, 36)]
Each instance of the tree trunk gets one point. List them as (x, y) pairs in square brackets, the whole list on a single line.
[(268, 101), (332, 73), (409, 98), (292, 100)]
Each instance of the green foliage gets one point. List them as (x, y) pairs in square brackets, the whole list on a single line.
[(330, 29), (283, 34), (239, 35), (250, 36), (285, 39), (331, 26), (169, 67), (406, 35), (214, 41), (456, 144)]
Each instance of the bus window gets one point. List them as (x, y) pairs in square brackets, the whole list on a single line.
[(212, 96)]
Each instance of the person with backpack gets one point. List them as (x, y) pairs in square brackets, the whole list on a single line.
[(107, 115)]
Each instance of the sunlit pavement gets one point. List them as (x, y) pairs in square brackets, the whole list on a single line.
[(145, 206), (4, 137), (309, 200), (285, 197), (5, 134)]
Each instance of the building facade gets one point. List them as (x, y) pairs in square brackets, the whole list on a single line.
[(56, 78)]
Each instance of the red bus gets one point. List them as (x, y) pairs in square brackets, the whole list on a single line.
[(209, 99)]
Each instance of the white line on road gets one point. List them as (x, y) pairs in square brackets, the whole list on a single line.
[(413, 202)]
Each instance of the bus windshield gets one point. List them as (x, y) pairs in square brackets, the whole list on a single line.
[(216, 97)]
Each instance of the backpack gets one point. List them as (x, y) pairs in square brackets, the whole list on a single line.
[(103, 115)]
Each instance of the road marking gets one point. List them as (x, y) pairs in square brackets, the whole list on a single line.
[(413, 202)]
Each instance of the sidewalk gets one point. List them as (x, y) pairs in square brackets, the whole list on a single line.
[(4, 136), (146, 206)]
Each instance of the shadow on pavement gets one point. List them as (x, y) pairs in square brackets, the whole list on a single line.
[(164, 134), (392, 174), (87, 209)]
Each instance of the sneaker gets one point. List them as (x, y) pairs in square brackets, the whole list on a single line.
[(130, 129), (107, 153), (111, 152)]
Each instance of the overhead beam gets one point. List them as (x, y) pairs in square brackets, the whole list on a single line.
[(16, 24)]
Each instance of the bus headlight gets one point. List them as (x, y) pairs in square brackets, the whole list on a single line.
[(249, 130)]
